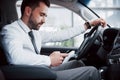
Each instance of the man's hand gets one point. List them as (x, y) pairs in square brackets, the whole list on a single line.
[(57, 58), (98, 21)]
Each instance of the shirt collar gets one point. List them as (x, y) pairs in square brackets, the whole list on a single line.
[(23, 26)]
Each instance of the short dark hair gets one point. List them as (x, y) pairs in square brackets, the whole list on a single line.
[(33, 4)]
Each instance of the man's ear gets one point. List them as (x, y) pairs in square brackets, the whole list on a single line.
[(28, 11)]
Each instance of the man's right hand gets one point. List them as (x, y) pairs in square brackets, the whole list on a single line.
[(57, 58)]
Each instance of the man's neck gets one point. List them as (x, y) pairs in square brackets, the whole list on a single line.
[(25, 20)]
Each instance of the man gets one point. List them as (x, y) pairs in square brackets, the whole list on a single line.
[(21, 49)]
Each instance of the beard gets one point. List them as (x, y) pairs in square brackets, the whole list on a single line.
[(32, 23)]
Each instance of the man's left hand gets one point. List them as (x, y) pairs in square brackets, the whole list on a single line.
[(98, 21)]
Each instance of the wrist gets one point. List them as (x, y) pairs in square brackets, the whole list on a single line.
[(88, 25)]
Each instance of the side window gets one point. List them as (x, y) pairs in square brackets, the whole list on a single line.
[(60, 18)]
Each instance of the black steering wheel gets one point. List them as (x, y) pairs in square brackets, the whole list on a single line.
[(88, 41)]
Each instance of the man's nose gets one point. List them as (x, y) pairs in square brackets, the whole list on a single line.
[(43, 20)]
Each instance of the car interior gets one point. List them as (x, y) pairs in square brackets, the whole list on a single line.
[(96, 49)]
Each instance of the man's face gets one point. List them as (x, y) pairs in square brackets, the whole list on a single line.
[(37, 17)]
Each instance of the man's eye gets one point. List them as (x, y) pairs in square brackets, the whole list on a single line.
[(43, 15)]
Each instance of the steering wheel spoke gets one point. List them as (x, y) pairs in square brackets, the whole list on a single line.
[(88, 41)]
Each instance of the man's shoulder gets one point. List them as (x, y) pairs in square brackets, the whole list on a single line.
[(13, 24), (11, 28)]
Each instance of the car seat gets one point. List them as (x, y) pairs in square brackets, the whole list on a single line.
[(23, 72)]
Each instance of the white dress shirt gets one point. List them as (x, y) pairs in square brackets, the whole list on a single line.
[(19, 48)]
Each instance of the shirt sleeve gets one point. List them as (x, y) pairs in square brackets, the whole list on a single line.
[(62, 35)]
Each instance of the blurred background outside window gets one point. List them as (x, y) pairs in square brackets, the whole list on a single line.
[(61, 18)]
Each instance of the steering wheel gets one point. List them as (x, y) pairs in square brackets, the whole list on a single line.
[(88, 41)]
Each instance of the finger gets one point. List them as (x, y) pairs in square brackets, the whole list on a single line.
[(56, 51), (61, 58), (64, 54), (61, 62), (103, 23)]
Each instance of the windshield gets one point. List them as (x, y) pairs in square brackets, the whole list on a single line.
[(107, 9)]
